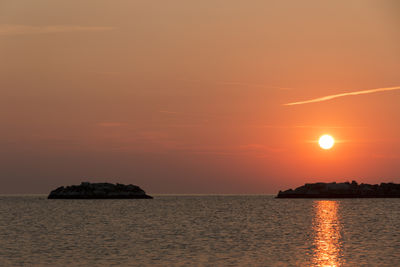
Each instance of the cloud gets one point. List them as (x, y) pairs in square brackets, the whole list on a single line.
[(385, 156), (111, 124), (330, 97), (254, 85), (168, 112), (306, 126), (13, 29), (257, 150), (234, 83)]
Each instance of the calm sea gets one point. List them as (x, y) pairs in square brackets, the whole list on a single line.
[(199, 230)]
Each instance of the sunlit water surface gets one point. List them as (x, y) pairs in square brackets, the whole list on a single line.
[(199, 230)]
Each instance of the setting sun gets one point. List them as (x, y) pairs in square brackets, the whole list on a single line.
[(326, 141)]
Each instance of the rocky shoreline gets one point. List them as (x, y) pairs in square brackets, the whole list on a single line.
[(88, 190), (343, 190)]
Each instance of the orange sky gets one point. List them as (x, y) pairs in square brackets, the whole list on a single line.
[(189, 96)]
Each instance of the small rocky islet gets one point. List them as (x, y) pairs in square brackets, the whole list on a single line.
[(343, 190), (88, 190)]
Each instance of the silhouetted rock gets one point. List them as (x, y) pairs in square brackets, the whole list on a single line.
[(342, 190), (98, 191)]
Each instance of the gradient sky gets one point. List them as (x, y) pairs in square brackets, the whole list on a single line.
[(189, 96)]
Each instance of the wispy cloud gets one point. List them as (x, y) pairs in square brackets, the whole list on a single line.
[(306, 126), (14, 29), (235, 83), (385, 156), (111, 124), (330, 97), (257, 150), (168, 112), (254, 85)]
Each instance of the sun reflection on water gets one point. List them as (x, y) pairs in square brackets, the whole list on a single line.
[(327, 240)]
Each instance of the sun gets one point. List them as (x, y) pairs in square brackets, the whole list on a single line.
[(326, 141)]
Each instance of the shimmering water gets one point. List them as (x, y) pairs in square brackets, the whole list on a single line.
[(199, 230)]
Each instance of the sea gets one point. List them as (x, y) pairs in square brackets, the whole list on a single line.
[(199, 230)]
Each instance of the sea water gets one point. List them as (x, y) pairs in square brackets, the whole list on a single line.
[(217, 230)]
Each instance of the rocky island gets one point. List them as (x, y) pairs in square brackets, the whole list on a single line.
[(88, 190), (343, 190)]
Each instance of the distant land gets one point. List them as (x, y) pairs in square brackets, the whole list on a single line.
[(343, 190), (88, 190)]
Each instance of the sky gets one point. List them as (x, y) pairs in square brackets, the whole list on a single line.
[(205, 97)]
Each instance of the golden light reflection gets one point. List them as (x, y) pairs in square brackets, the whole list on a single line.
[(327, 240)]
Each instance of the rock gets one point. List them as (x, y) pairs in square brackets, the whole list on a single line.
[(88, 190), (343, 190)]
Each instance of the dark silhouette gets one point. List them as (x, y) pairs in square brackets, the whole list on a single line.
[(98, 191), (343, 190)]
